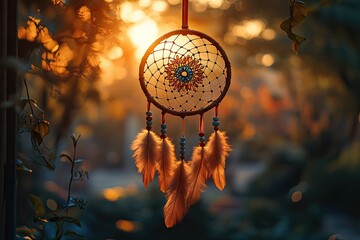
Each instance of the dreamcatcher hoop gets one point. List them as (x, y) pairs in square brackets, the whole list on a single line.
[(200, 50)]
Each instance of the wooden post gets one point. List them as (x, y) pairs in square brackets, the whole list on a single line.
[(8, 79)]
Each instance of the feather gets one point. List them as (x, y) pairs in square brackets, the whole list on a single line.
[(218, 150), (165, 163), (197, 176), (175, 207), (145, 147)]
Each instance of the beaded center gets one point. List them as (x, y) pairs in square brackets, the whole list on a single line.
[(184, 73)]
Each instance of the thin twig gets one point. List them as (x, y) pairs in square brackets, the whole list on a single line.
[(28, 96), (71, 177)]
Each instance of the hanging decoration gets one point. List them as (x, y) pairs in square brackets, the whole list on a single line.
[(183, 73)]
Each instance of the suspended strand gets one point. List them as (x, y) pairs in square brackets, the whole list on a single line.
[(182, 140), (185, 14)]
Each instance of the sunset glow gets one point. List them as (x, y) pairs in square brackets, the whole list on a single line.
[(137, 35)]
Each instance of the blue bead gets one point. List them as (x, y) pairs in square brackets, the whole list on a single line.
[(163, 126), (182, 147), (215, 124), (149, 113), (216, 119), (148, 123), (182, 152), (163, 131), (202, 139), (182, 139), (182, 143)]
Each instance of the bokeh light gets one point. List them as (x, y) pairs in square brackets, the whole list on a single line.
[(296, 196), (249, 29), (51, 204), (159, 6), (126, 225), (268, 34), (113, 194), (267, 60), (143, 33), (115, 53)]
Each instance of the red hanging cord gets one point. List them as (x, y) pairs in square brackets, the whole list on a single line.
[(185, 7), (216, 110), (201, 126), (163, 117), (148, 105), (183, 126)]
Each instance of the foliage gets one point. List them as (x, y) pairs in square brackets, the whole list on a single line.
[(298, 12), (58, 216), (31, 121), (64, 44), (297, 118)]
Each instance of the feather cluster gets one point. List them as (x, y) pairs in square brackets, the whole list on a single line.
[(182, 182), (165, 164), (217, 149), (197, 176), (146, 153), (176, 207)]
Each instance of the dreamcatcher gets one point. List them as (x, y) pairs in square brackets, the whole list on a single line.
[(183, 73)]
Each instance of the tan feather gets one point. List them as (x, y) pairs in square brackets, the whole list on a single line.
[(218, 150), (146, 151), (165, 163), (197, 176), (175, 207)]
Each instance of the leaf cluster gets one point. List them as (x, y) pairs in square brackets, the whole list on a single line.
[(57, 217), (31, 118), (298, 12)]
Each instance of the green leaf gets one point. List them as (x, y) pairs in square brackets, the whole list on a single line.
[(66, 156), (298, 12), (57, 218), (39, 131), (79, 160), (74, 234), (23, 102), (38, 205), (44, 220), (21, 166), (26, 233), (73, 220), (48, 162)]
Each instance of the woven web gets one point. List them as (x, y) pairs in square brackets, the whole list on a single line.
[(199, 48)]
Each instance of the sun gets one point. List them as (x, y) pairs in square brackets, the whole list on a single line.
[(142, 33)]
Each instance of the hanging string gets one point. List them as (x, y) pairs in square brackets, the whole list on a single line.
[(201, 131), (148, 117), (185, 14), (182, 140), (163, 125), (216, 122)]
